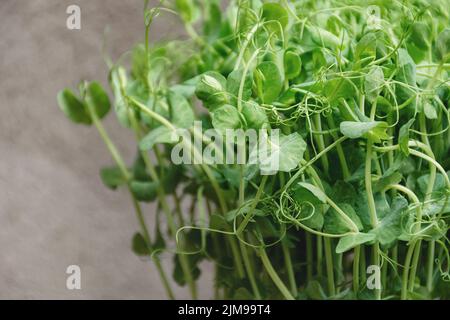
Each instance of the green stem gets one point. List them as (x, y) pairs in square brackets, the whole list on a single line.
[(356, 256), (184, 261), (289, 268), (121, 164), (309, 256), (409, 253), (245, 255), (430, 264), (274, 276), (414, 265), (319, 255), (329, 265)]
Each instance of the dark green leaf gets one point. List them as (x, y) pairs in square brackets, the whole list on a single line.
[(139, 246), (97, 98), (144, 191), (112, 177), (73, 108), (269, 81)]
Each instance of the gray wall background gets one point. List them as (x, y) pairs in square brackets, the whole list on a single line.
[(54, 210)]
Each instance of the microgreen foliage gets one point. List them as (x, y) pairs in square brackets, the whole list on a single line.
[(360, 96)]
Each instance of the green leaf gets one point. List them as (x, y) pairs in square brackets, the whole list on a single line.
[(323, 38), (389, 228), (376, 130), (144, 191), (315, 291), (373, 83), (269, 81), (213, 21), (178, 274), (403, 137), (275, 15), (292, 64), (112, 177), (243, 294), (97, 98), (437, 206), (338, 88), (72, 107), (387, 180), (312, 201), (226, 117), (278, 153), (254, 115), (420, 35), (234, 81), (334, 223), (353, 240), (211, 89), (406, 74), (314, 191), (158, 135), (139, 246), (187, 10), (343, 192), (119, 79), (443, 46), (181, 113), (429, 110), (439, 183)]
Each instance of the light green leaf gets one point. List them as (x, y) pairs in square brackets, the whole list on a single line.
[(373, 83), (159, 135), (278, 153), (376, 130), (226, 117), (275, 13), (211, 89), (323, 38), (353, 240), (254, 115), (181, 112), (429, 110)]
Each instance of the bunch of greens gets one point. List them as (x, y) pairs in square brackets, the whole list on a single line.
[(359, 208)]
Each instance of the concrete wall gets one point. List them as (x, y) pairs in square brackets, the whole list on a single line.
[(54, 211)]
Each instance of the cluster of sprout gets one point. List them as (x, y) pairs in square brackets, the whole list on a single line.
[(360, 94)]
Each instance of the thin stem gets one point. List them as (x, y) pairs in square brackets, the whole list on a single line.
[(274, 276), (289, 268), (309, 256), (330, 268), (126, 175), (430, 264), (356, 256)]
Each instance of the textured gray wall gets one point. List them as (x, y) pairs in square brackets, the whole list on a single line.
[(54, 210)]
